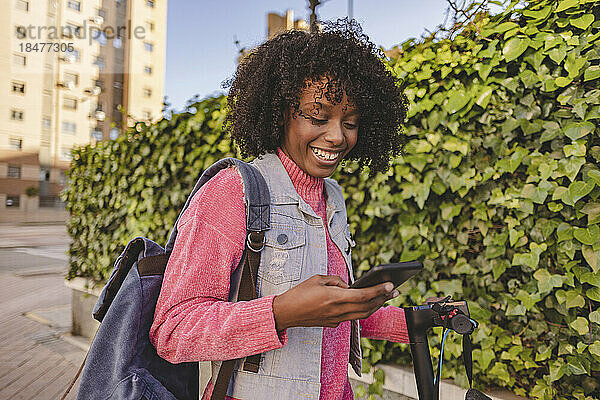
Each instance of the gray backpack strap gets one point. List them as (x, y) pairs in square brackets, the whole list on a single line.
[(256, 196)]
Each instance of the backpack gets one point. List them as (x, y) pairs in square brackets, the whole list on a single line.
[(122, 363)]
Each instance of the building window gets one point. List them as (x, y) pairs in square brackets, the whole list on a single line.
[(71, 77), (62, 178), (19, 60), (71, 30), (114, 133), (99, 61), (117, 43), (15, 143), (150, 26), (148, 70), (44, 174), (147, 115), (74, 5), (46, 123), (72, 56), (65, 154), (102, 13), (100, 37), (150, 3), (18, 87), (147, 92), (16, 115), (20, 32), (97, 134), (69, 103), (22, 5), (14, 171), (69, 127), (12, 201), (148, 46)]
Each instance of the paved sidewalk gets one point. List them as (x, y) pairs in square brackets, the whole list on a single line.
[(32, 235), (36, 362)]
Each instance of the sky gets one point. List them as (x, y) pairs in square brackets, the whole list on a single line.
[(201, 34)]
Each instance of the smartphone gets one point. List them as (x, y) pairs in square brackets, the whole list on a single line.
[(397, 273)]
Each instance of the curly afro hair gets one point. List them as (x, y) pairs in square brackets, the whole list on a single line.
[(270, 79)]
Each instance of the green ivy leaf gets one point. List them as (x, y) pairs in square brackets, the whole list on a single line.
[(547, 282), (500, 371), (595, 317), (564, 232), (558, 54), (574, 299), (583, 22), (484, 96), (515, 47), (510, 164), (593, 293), (595, 176), (576, 149), (589, 235), (592, 210), (534, 193), (576, 191), (577, 365), (452, 143), (565, 4), (539, 14), (581, 326), (562, 81), (528, 299), (591, 256), (457, 100), (591, 73), (576, 130), (573, 65), (594, 348), (498, 268)]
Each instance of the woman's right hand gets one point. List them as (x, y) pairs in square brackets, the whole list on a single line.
[(327, 301)]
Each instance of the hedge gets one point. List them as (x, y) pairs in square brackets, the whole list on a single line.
[(137, 184), (497, 191)]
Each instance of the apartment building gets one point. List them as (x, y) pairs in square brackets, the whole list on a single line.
[(72, 72), (277, 24)]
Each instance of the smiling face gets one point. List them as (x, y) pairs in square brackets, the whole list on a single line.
[(320, 134)]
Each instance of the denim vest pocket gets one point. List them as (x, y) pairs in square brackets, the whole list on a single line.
[(281, 259)]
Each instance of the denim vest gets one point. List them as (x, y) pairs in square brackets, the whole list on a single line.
[(295, 250)]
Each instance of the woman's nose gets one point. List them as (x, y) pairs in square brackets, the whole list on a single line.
[(334, 134)]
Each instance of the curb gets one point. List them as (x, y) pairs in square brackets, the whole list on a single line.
[(402, 380)]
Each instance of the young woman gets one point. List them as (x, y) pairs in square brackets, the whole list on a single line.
[(301, 103)]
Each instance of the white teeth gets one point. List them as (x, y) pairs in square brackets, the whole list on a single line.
[(324, 155)]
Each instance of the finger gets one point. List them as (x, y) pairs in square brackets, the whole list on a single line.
[(334, 280), (375, 304), (367, 294), (364, 309)]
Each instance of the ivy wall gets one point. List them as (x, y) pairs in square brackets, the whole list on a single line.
[(497, 191)]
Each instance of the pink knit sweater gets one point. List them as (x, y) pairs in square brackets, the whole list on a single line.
[(194, 321)]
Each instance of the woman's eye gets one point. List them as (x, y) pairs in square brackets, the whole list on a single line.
[(317, 121), (349, 125)]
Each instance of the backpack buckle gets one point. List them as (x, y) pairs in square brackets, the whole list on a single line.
[(258, 240)]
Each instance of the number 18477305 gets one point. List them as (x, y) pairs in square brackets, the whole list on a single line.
[(40, 47)]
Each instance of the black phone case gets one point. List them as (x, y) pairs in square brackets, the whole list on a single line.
[(397, 273)]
